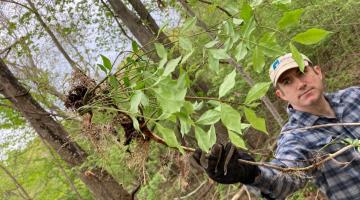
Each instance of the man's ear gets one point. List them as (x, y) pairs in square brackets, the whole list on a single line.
[(280, 94), (317, 71)]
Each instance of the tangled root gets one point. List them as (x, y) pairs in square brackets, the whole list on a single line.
[(74, 99), (80, 86), (130, 132)]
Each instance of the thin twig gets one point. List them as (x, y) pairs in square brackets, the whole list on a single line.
[(117, 21), (247, 192), (193, 192), (322, 126), (217, 6), (12, 45), (296, 169), (213, 98), (18, 185), (17, 3)]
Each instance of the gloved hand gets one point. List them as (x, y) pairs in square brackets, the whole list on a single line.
[(222, 166)]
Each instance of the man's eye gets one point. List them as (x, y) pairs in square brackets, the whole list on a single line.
[(301, 73), (286, 81)]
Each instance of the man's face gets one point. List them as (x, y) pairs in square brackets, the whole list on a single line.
[(301, 90)]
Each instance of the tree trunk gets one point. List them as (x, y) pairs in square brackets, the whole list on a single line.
[(136, 27), (100, 182), (149, 21)]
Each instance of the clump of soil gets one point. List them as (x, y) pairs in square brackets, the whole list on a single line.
[(74, 99)]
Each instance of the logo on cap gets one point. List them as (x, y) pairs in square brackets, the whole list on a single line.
[(275, 64)]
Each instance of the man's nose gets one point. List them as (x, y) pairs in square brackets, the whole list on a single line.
[(300, 83)]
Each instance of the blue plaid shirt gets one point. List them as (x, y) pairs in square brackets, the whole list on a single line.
[(338, 178)]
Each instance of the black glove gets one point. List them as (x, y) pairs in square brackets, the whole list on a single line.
[(222, 166)]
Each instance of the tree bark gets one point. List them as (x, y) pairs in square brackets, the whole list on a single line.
[(145, 36), (99, 181), (149, 21)]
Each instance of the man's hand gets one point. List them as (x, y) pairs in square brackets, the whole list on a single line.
[(222, 166)]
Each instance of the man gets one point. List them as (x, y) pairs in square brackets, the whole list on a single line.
[(308, 105)]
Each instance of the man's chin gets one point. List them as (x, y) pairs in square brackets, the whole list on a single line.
[(310, 101)]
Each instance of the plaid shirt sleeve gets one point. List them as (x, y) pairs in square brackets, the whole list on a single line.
[(276, 184)]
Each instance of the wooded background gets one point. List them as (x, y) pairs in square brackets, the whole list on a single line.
[(108, 99)]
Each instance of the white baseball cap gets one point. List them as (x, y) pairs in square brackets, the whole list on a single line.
[(282, 64)]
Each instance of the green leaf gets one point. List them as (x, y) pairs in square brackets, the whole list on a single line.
[(162, 62), (213, 64), (189, 24), (311, 36), (255, 3), (135, 122), (228, 84), (219, 53), (228, 44), (198, 106), (188, 108), (212, 135), (258, 60), (185, 123), (215, 104), (144, 99), (291, 18), (230, 6), (114, 83), (257, 122), (240, 51), (245, 126), (169, 136), (211, 44), (171, 65), (203, 139), (228, 28), (236, 139), (185, 43), (297, 57), (138, 86), (135, 46), (135, 101), (257, 91), (209, 117), (106, 62), (237, 21), (126, 81), (269, 45), (246, 11), (281, 2), (170, 94), (162, 28), (187, 56), (160, 50), (231, 118), (102, 68), (249, 28)]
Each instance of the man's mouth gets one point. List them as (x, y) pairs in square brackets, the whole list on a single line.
[(304, 93)]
